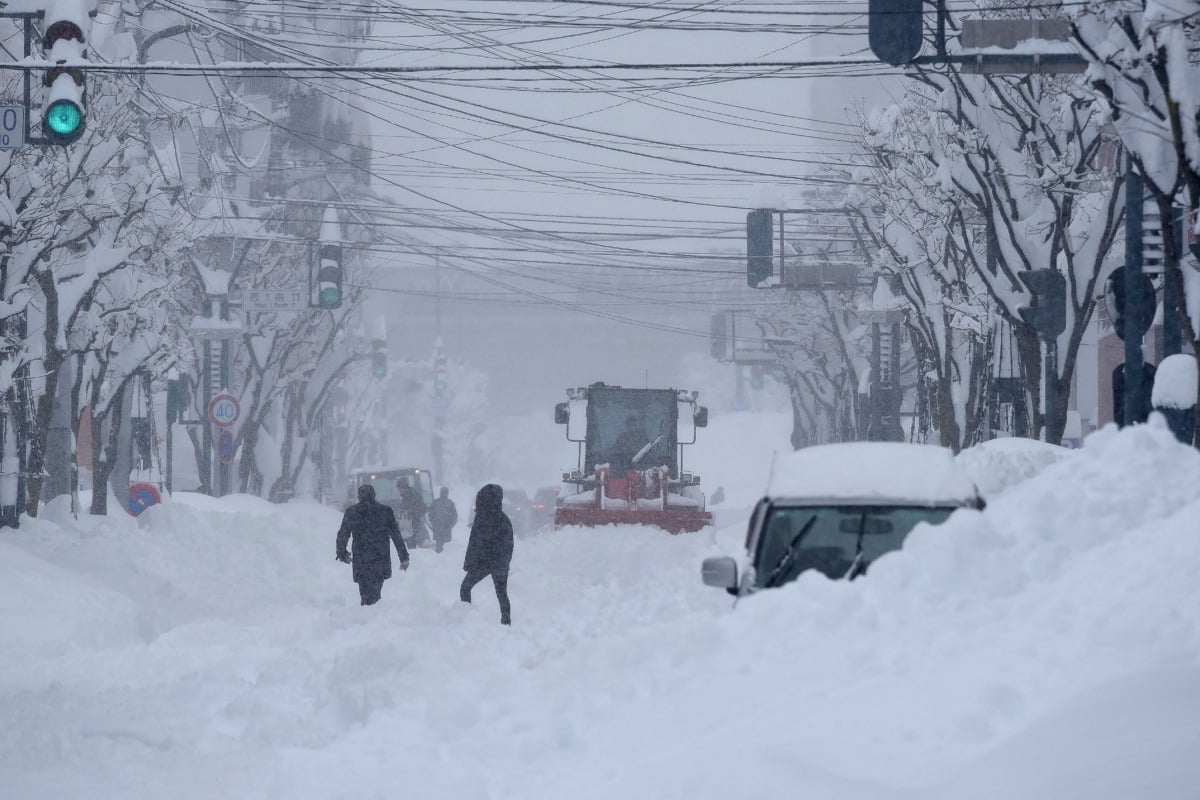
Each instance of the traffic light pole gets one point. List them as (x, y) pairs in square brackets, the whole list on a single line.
[(1134, 391), (1173, 284)]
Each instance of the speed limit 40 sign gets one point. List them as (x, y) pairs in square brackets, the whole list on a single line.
[(224, 410)]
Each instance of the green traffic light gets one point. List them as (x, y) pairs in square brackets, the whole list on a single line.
[(331, 297), (64, 118)]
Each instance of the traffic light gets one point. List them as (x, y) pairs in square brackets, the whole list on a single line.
[(378, 359), (760, 241), (329, 277), (64, 113), (894, 30), (1048, 314)]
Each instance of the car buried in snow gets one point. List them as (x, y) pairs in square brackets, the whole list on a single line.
[(837, 508)]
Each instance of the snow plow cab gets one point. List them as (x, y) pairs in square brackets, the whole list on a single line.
[(387, 492), (630, 469)]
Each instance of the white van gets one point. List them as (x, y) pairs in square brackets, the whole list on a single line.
[(836, 508)]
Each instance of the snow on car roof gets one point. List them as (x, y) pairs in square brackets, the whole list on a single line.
[(873, 471)]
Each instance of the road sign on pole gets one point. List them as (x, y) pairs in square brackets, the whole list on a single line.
[(141, 497), (224, 410), (224, 446), (12, 127)]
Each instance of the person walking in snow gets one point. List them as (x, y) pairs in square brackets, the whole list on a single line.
[(369, 525), (442, 516), (489, 549), (412, 506)]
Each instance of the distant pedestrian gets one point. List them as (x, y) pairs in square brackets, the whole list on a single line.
[(442, 516), (489, 549), (412, 507), (369, 525)]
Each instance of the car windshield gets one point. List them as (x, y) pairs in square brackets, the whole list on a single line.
[(833, 540)]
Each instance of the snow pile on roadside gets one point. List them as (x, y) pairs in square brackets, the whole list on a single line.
[(1000, 464), (1046, 647)]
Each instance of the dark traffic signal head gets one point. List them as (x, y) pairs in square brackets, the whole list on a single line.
[(64, 113), (1048, 314), (329, 277), (894, 30), (760, 242)]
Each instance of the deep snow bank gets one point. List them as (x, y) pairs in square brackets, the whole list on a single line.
[(1046, 647)]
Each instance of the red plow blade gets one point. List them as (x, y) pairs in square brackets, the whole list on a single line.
[(673, 520)]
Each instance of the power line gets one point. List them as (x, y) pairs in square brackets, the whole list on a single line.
[(248, 69)]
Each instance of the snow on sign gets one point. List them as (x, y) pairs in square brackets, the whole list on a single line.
[(224, 410), (12, 127)]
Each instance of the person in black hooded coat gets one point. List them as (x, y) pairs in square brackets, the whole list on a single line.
[(371, 525), (489, 549)]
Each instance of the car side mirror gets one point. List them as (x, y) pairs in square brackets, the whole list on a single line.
[(719, 571), (562, 414), (700, 416)]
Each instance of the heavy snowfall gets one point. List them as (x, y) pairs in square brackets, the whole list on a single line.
[(276, 274)]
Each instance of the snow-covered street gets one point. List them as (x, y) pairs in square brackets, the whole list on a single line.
[(1047, 647)]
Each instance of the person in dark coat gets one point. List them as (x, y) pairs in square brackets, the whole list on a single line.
[(370, 525), (490, 548), (412, 506), (442, 516)]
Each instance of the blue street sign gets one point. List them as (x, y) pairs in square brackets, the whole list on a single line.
[(224, 447), (141, 497)]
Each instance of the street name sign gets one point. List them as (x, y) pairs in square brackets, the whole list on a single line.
[(274, 299)]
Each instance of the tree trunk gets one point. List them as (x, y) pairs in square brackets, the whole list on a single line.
[(104, 451), (36, 466), (1029, 349)]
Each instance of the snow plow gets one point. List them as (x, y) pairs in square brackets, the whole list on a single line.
[(630, 469)]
